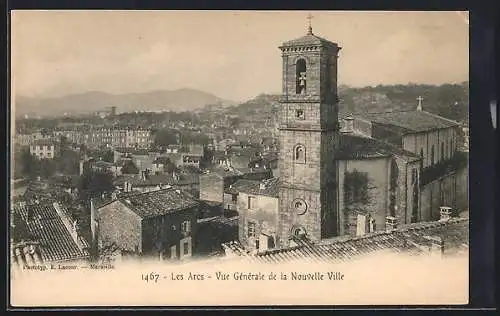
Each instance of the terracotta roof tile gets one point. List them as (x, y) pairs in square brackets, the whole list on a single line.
[(270, 187), (413, 238), (358, 147), (158, 203), (309, 40), (49, 238)]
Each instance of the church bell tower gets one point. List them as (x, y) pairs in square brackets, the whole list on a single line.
[(309, 136)]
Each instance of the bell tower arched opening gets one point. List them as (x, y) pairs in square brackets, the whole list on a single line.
[(301, 75)]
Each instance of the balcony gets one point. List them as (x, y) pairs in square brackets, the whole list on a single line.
[(441, 169)]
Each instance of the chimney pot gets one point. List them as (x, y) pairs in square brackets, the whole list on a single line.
[(390, 223), (349, 124), (444, 213)]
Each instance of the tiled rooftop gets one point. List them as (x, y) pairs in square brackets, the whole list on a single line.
[(160, 179), (411, 121), (356, 146), (158, 203), (47, 234), (270, 187), (414, 238)]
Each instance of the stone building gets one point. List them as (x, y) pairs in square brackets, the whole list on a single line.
[(215, 182), (443, 167), (257, 207), (308, 138), (362, 179), (160, 224), (44, 148)]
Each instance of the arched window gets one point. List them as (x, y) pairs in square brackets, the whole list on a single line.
[(300, 74), (299, 231), (432, 155), (299, 154), (442, 150)]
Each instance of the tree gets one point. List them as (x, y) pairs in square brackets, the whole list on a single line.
[(67, 162), (94, 184), (165, 137), (129, 167), (26, 163)]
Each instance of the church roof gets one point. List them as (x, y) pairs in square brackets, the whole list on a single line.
[(309, 40), (410, 121), (354, 146)]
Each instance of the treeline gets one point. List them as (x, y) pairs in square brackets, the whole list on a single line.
[(448, 100)]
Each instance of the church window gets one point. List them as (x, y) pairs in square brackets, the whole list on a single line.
[(300, 72), (299, 206), (299, 231), (432, 155), (300, 154), (299, 114)]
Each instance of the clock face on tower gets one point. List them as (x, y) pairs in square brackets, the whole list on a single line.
[(299, 206)]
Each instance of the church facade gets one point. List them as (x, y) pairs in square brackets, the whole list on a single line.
[(333, 181)]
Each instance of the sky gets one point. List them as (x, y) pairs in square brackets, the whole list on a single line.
[(232, 54)]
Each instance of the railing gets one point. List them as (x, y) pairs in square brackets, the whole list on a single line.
[(441, 169)]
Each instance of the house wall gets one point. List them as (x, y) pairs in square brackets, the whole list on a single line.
[(162, 234), (211, 187), (264, 214), (119, 225)]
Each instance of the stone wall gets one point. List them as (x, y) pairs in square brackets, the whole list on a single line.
[(119, 225), (211, 188)]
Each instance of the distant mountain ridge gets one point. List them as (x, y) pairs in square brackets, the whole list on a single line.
[(158, 100)]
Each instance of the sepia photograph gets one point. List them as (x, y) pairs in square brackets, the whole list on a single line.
[(235, 158)]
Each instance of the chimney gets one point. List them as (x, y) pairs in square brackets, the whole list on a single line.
[(349, 124), (444, 213), (390, 223), (262, 186), (81, 167)]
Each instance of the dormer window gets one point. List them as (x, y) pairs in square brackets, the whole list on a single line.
[(299, 114)]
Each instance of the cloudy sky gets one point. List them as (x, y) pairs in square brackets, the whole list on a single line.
[(233, 54)]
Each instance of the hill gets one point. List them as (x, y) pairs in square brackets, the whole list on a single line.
[(160, 100), (448, 100)]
